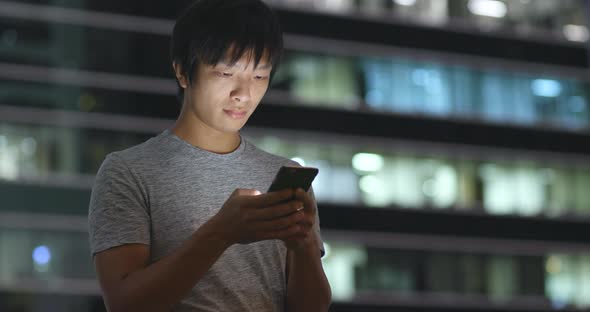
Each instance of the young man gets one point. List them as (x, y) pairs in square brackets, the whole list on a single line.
[(176, 223)]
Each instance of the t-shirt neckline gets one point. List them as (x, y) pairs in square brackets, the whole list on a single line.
[(167, 133)]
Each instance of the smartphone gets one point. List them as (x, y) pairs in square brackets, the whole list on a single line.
[(293, 177)]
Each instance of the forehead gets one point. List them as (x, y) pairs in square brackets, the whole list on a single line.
[(246, 59)]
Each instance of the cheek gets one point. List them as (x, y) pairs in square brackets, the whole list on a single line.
[(261, 89), (220, 92), (208, 96)]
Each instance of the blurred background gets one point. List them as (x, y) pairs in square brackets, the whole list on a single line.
[(452, 138)]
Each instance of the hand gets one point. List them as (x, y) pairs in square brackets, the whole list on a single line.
[(306, 234), (249, 216)]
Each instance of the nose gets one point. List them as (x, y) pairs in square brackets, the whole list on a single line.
[(241, 93)]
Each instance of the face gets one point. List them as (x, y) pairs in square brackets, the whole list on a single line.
[(222, 97)]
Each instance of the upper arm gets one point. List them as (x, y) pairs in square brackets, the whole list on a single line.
[(114, 264), (118, 212)]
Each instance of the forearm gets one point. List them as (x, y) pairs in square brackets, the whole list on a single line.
[(164, 283), (308, 288)]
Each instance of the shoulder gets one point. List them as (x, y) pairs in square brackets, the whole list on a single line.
[(138, 154), (262, 156), (130, 161), (135, 154)]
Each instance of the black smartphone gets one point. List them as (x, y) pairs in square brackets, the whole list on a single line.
[(293, 177)]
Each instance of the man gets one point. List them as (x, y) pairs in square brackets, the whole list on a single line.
[(176, 223)]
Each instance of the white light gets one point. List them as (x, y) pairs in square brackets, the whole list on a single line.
[(491, 8), (41, 255), (405, 2), (428, 187), (336, 5), (546, 87), (369, 184), (298, 160), (367, 162), (576, 32), (327, 251), (8, 160), (553, 265)]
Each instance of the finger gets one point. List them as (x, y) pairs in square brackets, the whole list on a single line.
[(268, 199), (277, 211), (298, 236), (280, 223), (291, 231), (307, 200), (307, 221)]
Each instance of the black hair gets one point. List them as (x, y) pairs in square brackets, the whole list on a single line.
[(208, 29)]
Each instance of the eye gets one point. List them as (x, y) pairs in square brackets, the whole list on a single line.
[(260, 77), (224, 74)]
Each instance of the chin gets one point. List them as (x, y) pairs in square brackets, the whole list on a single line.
[(231, 129), (234, 127)]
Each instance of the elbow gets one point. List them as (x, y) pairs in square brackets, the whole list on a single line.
[(113, 297), (112, 307), (122, 307), (123, 297), (325, 305), (325, 297), (119, 302), (321, 302), (123, 304), (113, 304)]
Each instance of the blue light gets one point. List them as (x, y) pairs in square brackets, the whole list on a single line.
[(577, 104), (375, 98), (558, 303), (41, 255), (546, 87), (420, 76)]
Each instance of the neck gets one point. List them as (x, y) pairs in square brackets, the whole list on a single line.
[(192, 130)]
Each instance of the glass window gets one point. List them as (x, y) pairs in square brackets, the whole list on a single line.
[(81, 47), (402, 85), (44, 255), (554, 20), (351, 172), (356, 271)]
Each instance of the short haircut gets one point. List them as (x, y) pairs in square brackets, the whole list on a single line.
[(208, 29)]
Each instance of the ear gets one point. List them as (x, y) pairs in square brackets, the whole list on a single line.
[(182, 81)]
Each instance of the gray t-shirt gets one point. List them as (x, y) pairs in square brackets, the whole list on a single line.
[(161, 191)]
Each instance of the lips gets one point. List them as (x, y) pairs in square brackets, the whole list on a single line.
[(235, 114)]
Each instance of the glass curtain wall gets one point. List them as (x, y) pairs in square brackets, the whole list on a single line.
[(557, 20)]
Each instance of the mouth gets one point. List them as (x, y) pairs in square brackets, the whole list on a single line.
[(234, 114)]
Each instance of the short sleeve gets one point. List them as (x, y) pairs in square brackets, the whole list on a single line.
[(118, 211)]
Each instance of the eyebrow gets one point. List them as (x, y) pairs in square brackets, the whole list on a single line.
[(265, 66)]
